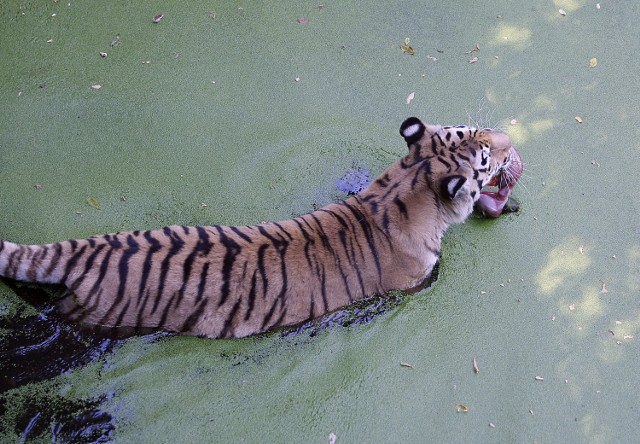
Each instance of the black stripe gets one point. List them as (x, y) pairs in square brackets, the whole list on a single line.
[(385, 220), (261, 268), (123, 274), (252, 297), (104, 266), (323, 236), (286, 233), (203, 281), (194, 317), (36, 261), (453, 157), (434, 145), (15, 259), (384, 180), (232, 251), (118, 322), (269, 315), (153, 247), (366, 228), (142, 302), (176, 245), (465, 158), (389, 191), (420, 173), (401, 206), (227, 329), (88, 265), (323, 287), (167, 308), (278, 321), (308, 244), (202, 248), (281, 246), (373, 207), (336, 257), (71, 263), (55, 259), (123, 267), (445, 163), (351, 258), (244, 237)]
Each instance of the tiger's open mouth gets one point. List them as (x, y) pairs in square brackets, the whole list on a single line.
[(494, 195)]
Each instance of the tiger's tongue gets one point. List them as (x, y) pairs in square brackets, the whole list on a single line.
[(492, 203)]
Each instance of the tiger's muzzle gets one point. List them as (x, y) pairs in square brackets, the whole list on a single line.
[(494, 196)]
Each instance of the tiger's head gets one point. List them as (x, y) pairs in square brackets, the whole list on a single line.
[(464, 166)]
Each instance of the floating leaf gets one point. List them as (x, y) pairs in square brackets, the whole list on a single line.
[(303, 20), (593, 62), (475, 49), (410, 97), (407, 48), (94, 202), (462, 408)]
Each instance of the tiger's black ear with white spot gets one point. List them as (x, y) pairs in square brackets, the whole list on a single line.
[(450, 186), (412, 130)]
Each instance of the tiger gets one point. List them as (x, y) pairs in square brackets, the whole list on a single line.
[(235, 281)]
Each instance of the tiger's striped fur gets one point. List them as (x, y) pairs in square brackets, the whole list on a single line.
[(222, 281)]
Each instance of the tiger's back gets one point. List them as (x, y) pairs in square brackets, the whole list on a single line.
[(221, 281)]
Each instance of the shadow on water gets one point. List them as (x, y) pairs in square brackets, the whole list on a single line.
[(36, 349)]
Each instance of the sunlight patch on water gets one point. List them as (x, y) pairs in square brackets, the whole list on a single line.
[(569, 5), (517, 37), (564, 262)]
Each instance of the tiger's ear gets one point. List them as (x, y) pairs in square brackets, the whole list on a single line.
[(450, 186), (412, 130)]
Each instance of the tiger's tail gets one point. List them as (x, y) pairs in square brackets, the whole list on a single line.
[(34, 263)]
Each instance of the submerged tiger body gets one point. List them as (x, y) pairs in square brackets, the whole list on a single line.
[(222, 281)]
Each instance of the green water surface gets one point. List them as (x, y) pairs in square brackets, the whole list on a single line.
[(236, 113)]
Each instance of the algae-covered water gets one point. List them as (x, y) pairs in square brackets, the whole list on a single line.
[(239, 112)]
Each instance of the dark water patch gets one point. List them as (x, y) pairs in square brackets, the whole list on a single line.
[(354, 180), (39, 347), (38, 415), (34, 350)]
